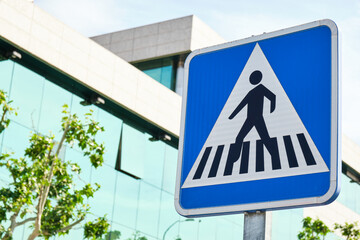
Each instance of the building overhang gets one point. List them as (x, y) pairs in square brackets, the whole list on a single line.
[(85, 68), (157, 40)]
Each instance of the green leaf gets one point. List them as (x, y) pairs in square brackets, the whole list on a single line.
[(42, 168), (313, 229), (96, 229)]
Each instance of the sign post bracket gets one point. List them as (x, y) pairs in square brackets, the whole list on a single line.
[(254, 225)]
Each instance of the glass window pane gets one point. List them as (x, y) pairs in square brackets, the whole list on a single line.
[(155, 73), (1, 141), (168, 216), (170, 165), (125, 232), (148, 211), (235, 222), (189, 229), (103, 200), (110, 137), (237, 219), (81, 110), (26, 92), (54, 98), (238, 230), (160, 69), (225, 230), (18, 233), (133, 151), (166, 77), (286, 224), (206, 228), (153, 161), (16, 139), (350, 194), (6, 69), (85, 165), (126, 200)]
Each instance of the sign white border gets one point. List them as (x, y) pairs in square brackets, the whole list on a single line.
[(335, 130)]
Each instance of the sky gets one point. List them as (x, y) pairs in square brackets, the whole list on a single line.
[(233, 20)]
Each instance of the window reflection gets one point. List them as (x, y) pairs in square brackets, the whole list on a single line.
[(131, 151), (145, 204), (162, 70), (126, 200), (27, 91), (148, 209), (286, 223), (350, 194)]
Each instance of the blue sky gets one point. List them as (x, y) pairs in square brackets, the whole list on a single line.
[(232, 19)]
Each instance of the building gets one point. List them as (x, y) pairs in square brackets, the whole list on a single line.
[(133, 78)]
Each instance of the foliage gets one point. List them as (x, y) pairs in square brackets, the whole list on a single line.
[(94, 230), (115, 235), (112, 235), (6, 108), (349, 230), (42, 189), (136, 236), (313, 229)]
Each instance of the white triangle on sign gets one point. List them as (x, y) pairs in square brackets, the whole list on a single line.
[(283, 124)]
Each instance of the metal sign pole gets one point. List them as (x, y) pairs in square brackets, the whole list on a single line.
[(254, 226)]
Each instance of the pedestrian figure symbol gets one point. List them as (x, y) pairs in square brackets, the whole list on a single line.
[(260, 123), (247, 142), (255, 103)]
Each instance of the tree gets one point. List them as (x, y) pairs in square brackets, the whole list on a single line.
[(42, 189), (115, 235), (136, 236), (6, 110), (313, 229), (112, 235), (349, 230)]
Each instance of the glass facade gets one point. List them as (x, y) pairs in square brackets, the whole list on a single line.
[(131, 205), (162, 70), (350, 194), (286, 224)]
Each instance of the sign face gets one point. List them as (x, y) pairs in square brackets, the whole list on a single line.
[(260, 123)]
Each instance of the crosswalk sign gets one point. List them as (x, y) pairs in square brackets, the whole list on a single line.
[(260, 123)]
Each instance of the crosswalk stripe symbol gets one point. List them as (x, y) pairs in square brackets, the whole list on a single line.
[(258, 134)]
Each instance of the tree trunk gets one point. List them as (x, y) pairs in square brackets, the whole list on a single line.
[(33, 235), (6, 237), (13, 225)]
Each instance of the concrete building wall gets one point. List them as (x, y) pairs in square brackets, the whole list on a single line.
[(331, 214), (161, 39), (31, 29), (351, 153)]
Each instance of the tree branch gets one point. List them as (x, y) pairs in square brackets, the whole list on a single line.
[(3, 116), (25, 221), (13, 221), (44, 192), (9, 233), (63, 138), (68, 227)]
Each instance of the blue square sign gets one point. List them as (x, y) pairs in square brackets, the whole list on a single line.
[(260, 123)]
